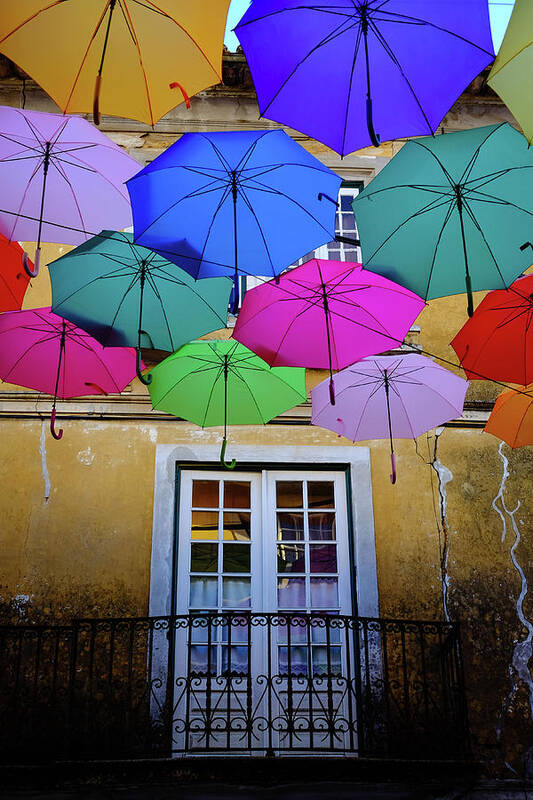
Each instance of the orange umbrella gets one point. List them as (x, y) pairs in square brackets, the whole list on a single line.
[(512, 417)]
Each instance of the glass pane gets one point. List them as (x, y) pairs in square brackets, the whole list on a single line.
[(203, 593), (296, 626), (323, 592), (204, 525), (199, 660), (239, 660), (319, 634), (290, 526), (236, 592), (322, 526), (298, 661), (321, 494), (291, 592), (323, 557), (236, 526), (346, 202), (321, 666), (236, 558), (239, 628), (205, 494), (200, 628), (289, 494), (204, 557), (348, 223), (236, 494), (334, 249), (291, 558)]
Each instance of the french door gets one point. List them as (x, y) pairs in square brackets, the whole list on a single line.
[(263, 644)]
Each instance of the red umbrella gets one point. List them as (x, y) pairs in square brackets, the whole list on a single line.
[(14, 277), (497, 341)]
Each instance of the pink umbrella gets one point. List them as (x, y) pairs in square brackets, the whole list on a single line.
[(45, 352), (389, 396), (326, 315)]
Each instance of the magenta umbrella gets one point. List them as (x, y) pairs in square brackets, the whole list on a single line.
[(389, 397), (45, 352), (325, 315), (61, 179)]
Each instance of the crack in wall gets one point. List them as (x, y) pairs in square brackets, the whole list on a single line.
[(444, 476), (519, 671)]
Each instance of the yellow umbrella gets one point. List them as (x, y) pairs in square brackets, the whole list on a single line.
[(128, 58), (512, 72)]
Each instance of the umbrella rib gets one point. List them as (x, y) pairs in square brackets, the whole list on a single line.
[(139, 55), (437, 243), (470, 166), (221, 202), (86, 285), (398, 395), (84, 57), (349, 93), (208, 403), (155, 290), (63, 174), (270, 190), (218, 153), (27, 350), (419, 143), (322, 10), (23, 200), (192, 289), (30, 18), (250, 208), (24, 145), (478, 226), (73, 164), (363, 410), (493, 200)]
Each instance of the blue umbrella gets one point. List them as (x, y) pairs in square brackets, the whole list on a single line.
[(250, 203)]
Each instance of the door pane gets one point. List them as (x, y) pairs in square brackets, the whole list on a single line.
[(236, 494), (289, 494), (205, 494), (236, 558), (321, 494), (236, 592), (290, 526), (323, 593), (291, 558), (204, 525), (322, 526), (236, 525), (291, 593), (203, 593), (204, 557), (323, 558)]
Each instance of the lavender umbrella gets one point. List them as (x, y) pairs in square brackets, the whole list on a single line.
[(61, 179), (339, 70), (389, 396)]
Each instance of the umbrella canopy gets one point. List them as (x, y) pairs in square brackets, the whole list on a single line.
[(326, 315), (512, 418), (450, 214), (124, 294), (61, 179), (389, 397), (14, 278), (497, 342), (512, 70), (249, 202), (44, 352), (340, 70), (215, 382), (128, 58)]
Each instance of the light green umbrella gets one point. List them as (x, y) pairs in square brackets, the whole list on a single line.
[(511, 75), (213, 382), (451, 213)]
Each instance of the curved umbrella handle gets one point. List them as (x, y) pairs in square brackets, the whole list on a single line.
[(177, 85), (393, 464), (375, 138), (224, 463), (26, 263), (96, 100), (56, 434), (146, 379), (331, 200)]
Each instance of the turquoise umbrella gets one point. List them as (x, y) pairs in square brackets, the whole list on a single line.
[(451, 214), (126, 295)]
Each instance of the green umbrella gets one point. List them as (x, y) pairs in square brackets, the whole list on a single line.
[(214, 382), (126, 295), (512, 70), (451, 213)]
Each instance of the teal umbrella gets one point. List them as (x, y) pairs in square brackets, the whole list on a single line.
[(450, 214), (126, 295), (214, 382)]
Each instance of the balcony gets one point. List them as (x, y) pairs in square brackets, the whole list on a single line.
[(268, 684)]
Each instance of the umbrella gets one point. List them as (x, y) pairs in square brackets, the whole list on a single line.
[(14, 278), (388, 397), (512, 418), (249, 202), (325, 315), (511, 72), (340, 70), (450, 214), (497, 342), (124, 294), (215, 382), (124, 56), (60, 179), (42, 351)]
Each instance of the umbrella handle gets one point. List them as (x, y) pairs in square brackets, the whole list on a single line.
[(177, 85), (97, 387), (96, 100), (526, 245), (56, 434), (375, 138), (146, 379), (470, 299), (331, 200), (331, 392), (26, 263), (393, 465), (224, 463)]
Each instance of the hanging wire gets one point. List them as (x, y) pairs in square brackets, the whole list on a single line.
[(23, 93)]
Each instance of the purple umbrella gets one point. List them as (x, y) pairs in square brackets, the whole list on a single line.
[(388, 397), (61, 179), (340, 69)]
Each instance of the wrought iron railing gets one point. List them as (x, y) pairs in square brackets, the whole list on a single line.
[(251, 683)]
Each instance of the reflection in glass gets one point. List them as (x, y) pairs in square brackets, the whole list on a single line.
[(291, 558), (236, 558), (239, 660), (289, 494), (321, 665), (205, 494), (323, 592), (203, 592), (290, 526), (320, 494), (322, 526), (298, 661), (323, 557), (204, 557), (236, 494), (204, 525), (199, 660), (236, 592), (291, 592), (236, 526)]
